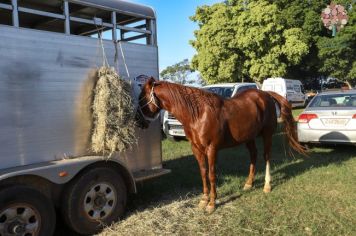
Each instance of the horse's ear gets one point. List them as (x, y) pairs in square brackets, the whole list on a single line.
[(151, 81)]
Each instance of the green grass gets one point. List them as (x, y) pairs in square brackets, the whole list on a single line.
[(296, 112), (313, 195)]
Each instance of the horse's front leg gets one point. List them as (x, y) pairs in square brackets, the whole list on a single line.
[(201, 158), (212, 178)]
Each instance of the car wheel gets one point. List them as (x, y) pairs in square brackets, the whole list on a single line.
[(26, 211), (174, 138), (170, 137), (94, 199)]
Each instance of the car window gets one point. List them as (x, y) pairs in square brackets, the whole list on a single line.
[(334, 100), (225, 92), (297, 88), (290, 87), (242, 88), (245, 87)]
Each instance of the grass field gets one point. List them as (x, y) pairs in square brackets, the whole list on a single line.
[(313, 195)]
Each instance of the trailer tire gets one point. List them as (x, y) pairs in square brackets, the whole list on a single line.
[(26, 211), (93, 200)]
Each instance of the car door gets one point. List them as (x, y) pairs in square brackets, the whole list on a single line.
[(299, 95)]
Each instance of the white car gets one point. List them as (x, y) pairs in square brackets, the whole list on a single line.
[(329, 118), (173, 129), (292, 90), (228, 90)]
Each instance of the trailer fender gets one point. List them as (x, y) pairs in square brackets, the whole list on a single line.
[(62, 171)]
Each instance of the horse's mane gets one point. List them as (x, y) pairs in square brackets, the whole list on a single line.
[(190, 100)]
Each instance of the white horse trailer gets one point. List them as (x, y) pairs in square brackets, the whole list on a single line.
[(48, 52)]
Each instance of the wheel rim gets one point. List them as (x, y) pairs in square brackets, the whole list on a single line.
[(100, 201), (20, 220)]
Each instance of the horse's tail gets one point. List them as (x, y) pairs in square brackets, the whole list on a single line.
[(288, 120)]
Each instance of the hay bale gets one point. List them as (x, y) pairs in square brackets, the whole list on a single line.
[(113, 114)]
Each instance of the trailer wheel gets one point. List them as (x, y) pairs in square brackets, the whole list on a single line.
[(26, 211), (95, 199)]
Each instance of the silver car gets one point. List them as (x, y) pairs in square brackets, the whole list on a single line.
[(329, 118)]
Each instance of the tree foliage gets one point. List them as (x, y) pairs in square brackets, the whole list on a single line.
[(256, 39), (338, 54), (178, 73)]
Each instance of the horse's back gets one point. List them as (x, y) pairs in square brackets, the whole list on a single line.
[(249, 113), (252, 98)]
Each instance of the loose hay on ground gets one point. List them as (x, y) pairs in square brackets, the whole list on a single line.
[(180, 217)]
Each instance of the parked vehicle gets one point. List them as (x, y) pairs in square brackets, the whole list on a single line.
[(310, 95), (174, 129), (292, 90), (227, 90), (329, 118), (48, 52)]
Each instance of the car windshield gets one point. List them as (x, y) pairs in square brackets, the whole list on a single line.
[(334, 100), (226, 92)]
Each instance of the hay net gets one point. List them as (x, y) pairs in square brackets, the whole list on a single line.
[(113, 113)]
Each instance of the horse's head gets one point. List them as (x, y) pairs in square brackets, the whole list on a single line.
[(148, 102)]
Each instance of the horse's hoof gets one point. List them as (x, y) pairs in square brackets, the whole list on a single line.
[(202, 204), (267, 189), (247, 187), (210, 209)]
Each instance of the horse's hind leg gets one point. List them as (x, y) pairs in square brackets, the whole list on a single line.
[(251, 146), (267, 141)]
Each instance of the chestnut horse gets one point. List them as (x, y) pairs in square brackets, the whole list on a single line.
[(211, 123)]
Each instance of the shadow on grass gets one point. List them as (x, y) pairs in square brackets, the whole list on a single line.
[(232, 165)]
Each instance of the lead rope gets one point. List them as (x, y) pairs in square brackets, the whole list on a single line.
[(123, 57), (116, 59), (105, 59)]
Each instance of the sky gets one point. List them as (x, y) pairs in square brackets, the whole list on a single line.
[(175, 29)]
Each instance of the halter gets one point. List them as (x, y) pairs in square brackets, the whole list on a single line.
[(153, 101)]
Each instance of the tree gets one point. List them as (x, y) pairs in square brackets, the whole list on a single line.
[(255, 39), (306, 16), (237, 41), (217, 59), (199, 79), (178, 73), (338, 54), (328, 56)]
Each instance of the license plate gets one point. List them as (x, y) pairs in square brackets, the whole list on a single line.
[(335, 122), (178, 132)]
